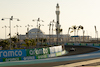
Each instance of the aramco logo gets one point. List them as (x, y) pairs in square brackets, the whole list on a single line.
[(10, 53)]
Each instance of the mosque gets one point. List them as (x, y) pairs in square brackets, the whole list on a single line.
[(37, 33), (32, 34)]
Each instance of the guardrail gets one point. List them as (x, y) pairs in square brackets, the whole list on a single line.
[(83, 44)]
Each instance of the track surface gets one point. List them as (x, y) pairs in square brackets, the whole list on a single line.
[(79, 50)]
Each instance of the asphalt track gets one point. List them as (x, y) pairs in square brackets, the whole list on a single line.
[(72, 54)]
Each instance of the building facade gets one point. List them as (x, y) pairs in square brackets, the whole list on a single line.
[(37, 33)]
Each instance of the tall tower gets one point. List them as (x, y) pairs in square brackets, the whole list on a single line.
[(57, 23), (57, 12)]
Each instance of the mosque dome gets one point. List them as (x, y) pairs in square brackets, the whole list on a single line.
[(33, 33)]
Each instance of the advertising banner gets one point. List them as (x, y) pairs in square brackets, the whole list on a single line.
[(12, 53), (90, 44), (38, 51), (96, 44), (52, 55), (64, 52), (1, 60), (58, 49), (76, 43), (58, 54), (46, 51), (28, 58), (30, 52), (70, 43), (55, 49), (65, 44), (52, 50), (41, 56), (11, 59), (83, 44)]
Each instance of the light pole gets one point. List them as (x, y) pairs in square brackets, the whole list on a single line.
[(68, 33), (96, 33), (49, 31), (17, 29), (5, 30), (52, 28), (39, 27), (38, 20), (83, 35), (28, 29), (39, 30), (10, 19)]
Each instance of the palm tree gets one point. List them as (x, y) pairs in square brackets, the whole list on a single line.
[(5, 44), (78, 29), (30, 42), (81, 27), (69, 29), (14, 41), (33, 43), (27, 42), (74, 29)]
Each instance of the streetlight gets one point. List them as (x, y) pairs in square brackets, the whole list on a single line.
[(96, 33), (51, 24), (83, 35), (49, 31), (40, 26), (28, 29), (38, 20), (5, 30), (17, 29), (68, 33), (52, 28), (39, 29), (10, 26)]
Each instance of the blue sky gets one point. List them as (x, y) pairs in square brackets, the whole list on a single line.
[(72, 12)]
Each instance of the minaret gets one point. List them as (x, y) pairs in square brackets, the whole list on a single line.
[(57, 23), (57, 12)]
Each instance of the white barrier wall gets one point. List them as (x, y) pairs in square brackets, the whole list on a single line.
[(55, 49)]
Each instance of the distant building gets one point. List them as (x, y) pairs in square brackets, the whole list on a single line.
[(32, 34), (79, 38), (37, 33)]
